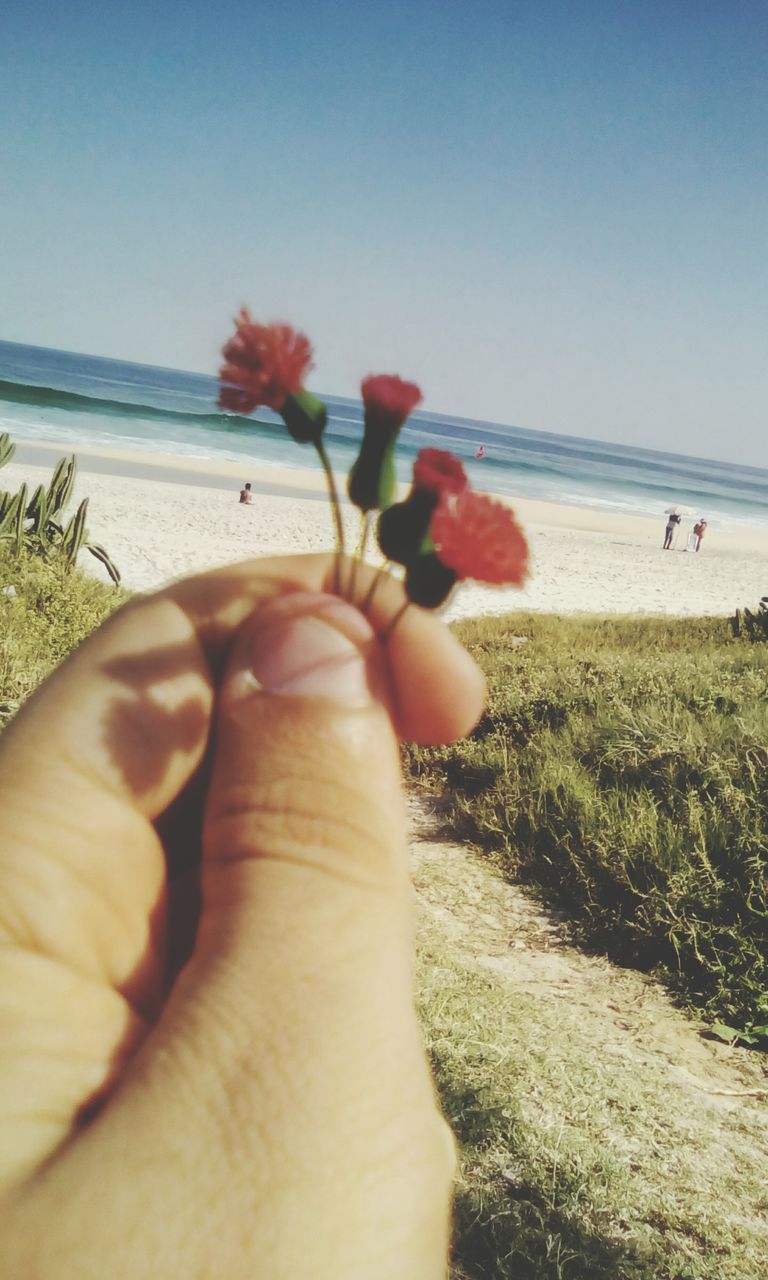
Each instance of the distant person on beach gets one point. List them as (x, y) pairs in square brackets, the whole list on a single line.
[(672, 524), (245, 494), (699, 530), (480, 451), (211, 1058)]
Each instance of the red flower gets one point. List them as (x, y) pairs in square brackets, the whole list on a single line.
[(479, 538), (237, 401), (388, 400), (265, 363), (438, 472)]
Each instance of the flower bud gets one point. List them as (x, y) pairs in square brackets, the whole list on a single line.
[(388, 400), (403, 529), (371, 483), (305, 417), (428, 581)]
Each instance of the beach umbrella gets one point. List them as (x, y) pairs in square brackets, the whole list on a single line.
[(680, 510)]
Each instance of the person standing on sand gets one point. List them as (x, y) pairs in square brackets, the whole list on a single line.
[(699, 530), (245, 494), (672, 524)]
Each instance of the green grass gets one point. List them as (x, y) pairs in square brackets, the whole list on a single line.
[(52, 610), (622, 768)]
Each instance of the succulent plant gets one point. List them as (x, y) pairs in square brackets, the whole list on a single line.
[(34, 524)]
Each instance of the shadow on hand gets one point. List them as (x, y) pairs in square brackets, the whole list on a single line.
[(148, 735)]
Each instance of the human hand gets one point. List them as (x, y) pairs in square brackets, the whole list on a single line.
[(214, 1069)]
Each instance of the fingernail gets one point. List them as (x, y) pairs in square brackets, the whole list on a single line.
[(308, 645)]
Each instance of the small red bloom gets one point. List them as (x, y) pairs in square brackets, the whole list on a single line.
[(388, 399), (439, 472), (479, 538), (264, 364), (237, 401)]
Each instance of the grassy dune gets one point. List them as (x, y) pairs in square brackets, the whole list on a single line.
[(622, 768)]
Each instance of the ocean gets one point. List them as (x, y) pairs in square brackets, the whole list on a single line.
[(83, 401)]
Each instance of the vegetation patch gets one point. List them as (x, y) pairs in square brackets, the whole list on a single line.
[(36, 525), (622, 768), (46, 609)]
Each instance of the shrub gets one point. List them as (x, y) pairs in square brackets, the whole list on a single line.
[(747, 625), (45, 611), (34, 524)]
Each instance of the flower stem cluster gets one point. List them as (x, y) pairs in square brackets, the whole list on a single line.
[(442, 532)]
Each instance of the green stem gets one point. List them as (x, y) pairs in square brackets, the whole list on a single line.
[(365, 525), (381, 573), (335, 506), (364, 532)]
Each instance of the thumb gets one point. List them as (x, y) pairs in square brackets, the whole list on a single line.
[(306, 775), (291, 1034)]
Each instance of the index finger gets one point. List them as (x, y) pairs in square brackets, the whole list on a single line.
[(132, 705)]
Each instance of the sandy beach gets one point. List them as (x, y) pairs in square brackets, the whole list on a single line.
[(162, 517)]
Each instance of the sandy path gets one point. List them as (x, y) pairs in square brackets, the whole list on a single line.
[(575, 1045), (628, 1014)]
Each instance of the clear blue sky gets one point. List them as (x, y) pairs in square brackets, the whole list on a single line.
[(552, 214)]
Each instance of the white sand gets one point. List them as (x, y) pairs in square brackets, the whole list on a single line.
[(583, 560)]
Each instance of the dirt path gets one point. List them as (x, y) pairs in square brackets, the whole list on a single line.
[(628, 1015), (645, 1142)]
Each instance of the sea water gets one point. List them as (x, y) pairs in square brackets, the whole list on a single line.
[(90, 401)]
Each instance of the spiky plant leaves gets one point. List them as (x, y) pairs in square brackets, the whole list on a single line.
[(101, 555), (5, 502), (75, 533), (54, 488), (20, 516), (7, 448), (37, 512), (62, 483), (32, 523), (10, 512)]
